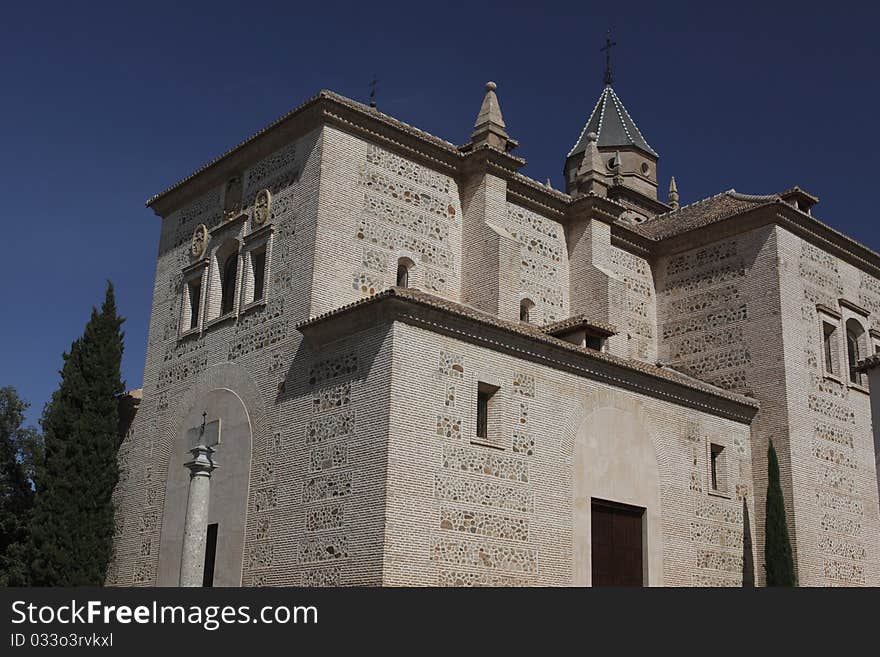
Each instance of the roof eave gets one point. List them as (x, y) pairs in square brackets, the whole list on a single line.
[(400, 304), (325, 108)]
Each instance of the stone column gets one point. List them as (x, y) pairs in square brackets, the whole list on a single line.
[(192, 562)]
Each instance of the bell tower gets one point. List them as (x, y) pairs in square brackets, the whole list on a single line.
[(611, 156)]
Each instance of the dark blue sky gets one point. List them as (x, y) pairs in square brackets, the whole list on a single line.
[(106, 104)]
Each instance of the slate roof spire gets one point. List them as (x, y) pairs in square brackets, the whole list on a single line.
[(613, 125)]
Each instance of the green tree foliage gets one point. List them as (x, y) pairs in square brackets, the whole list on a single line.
[(778, 559), (20, 451), (72, 528)]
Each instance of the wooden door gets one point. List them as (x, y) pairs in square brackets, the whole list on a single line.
[(617, 544)]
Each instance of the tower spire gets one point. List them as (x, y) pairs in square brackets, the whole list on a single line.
[(609, 44)]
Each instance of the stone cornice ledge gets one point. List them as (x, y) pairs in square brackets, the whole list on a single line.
[(523, 341), (782, 214)]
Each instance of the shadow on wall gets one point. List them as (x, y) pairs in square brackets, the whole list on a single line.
[(748, 574), (343, 361)]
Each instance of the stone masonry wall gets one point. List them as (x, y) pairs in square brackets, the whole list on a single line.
[(742, 313), (465, 512), (634, 306), (719, 321), (259, 340), (832, 450), (377, 207), (543, 263)]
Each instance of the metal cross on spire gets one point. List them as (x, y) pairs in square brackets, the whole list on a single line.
[(609, 44), (373, 84)]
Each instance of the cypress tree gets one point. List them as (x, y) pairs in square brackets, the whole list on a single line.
[(72, 526), (18, 447), (778, 559)]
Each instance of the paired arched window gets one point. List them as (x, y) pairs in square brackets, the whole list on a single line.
[(525, 310), (854, 337), (229, 278)]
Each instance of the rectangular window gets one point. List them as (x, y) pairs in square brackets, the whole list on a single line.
[(195, 302), (485, 409), (829, 347), (210, 555), (258, 265), (483, 414), (716, 467)]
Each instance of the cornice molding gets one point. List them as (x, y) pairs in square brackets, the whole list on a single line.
[(330, 109), (447, 318)]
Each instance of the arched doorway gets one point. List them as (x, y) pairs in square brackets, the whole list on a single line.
[(229, 490), (617, 515)]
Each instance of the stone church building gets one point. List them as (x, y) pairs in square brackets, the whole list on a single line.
[(377, 357)]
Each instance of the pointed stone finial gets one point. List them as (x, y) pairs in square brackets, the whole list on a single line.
[(489, 128), (618, 169), (591, 174), (673, 194), (548, 184)]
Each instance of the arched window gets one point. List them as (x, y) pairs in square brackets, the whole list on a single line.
[(403, 267), (525, 309), (229, 279), (854, 335)]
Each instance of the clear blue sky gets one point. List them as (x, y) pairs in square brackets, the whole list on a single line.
[(105, 104)]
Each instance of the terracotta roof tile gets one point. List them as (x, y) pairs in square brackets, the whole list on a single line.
[(576, 322), (702, 213), (536, 333)]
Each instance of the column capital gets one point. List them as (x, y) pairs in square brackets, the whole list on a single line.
[(202, 463)]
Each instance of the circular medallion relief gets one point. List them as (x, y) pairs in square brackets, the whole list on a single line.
[(262, 206), (199, 241)]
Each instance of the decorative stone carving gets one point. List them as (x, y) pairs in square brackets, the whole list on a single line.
[(262, 207), (199, 242), (232, 197)]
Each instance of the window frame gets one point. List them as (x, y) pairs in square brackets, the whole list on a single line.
[(197, 271), (863, 343), (718, 468), (258, 240), (526, 304), (829, 344), (229, 278), (409, 266), (488, 426), (213, 309)]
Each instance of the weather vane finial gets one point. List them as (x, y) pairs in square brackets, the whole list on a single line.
[(373, 84), (609, 44)]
